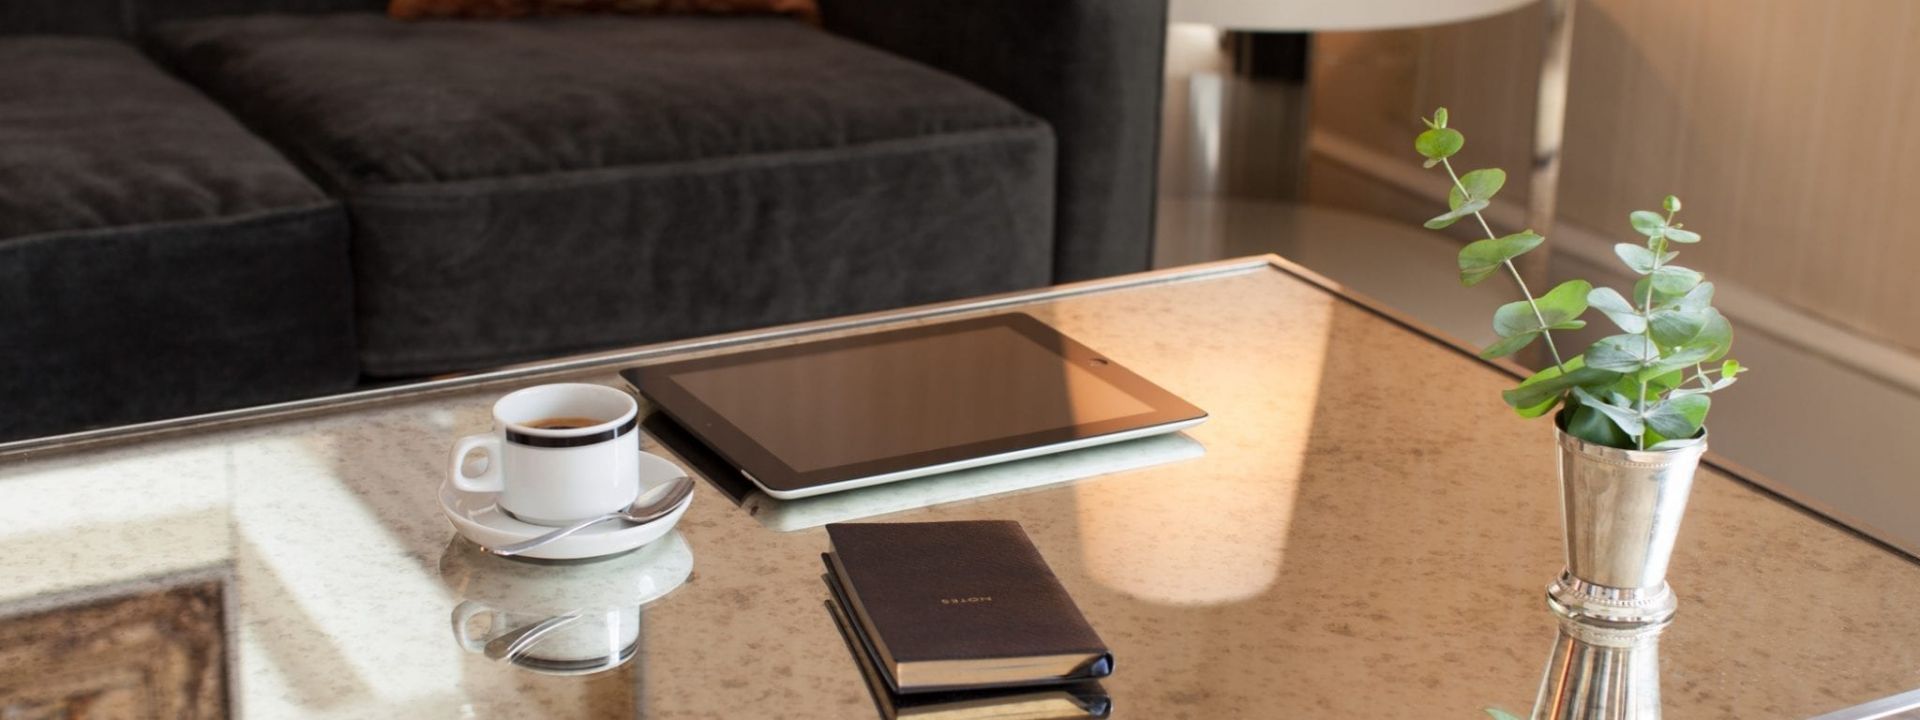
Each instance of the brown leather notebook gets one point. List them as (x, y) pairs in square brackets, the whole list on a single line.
[(1077, 700), (960, 605)]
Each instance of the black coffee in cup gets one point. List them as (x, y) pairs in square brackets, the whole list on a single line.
[(563, 423)]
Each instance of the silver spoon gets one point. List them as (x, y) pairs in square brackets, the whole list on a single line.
[(515, 643), (650, 506)]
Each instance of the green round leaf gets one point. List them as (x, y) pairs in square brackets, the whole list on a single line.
[(1646, 222), (1560, 308), (1482, 184), (1590, 425), (1660, 299), (1482, 258), (1515, 319), (1680, 236), (1565, 301), (1640, 259), (1508, 346), (1629, 421), (1623, 353), (1678, 325), (1663, 383), (1452, 216), (1699, 298), (1671, 203), (1437, 143), (1715, 337), (1540, 392), (1675, 280), (1681, 417), (1683, 357), (1617, 309)]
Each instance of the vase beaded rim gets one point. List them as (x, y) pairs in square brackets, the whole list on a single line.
[(1693, 446)]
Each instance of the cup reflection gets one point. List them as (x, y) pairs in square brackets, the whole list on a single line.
[(559, 618)]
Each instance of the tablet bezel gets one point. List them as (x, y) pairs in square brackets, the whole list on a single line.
[(658, 383)]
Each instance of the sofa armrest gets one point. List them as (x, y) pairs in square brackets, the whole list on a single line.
[(1091, 68)]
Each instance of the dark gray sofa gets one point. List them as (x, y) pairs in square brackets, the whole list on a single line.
[(213, 203)]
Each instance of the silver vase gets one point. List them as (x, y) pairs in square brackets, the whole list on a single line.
[(1601, 673), (1621, 510)]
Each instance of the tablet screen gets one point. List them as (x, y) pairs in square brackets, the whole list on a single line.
[(905, 396)]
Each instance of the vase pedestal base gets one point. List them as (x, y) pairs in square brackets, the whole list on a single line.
[(1620, 608)]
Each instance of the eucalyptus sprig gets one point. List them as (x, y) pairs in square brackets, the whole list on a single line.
[(1647, 387)]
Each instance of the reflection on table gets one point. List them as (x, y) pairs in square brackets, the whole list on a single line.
[(958, 486), (559, 617), (1601, 672)]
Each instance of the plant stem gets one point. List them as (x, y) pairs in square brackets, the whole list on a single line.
[(1659, 246), (1545, 334)]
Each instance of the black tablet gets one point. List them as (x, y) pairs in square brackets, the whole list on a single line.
[(854, 411)]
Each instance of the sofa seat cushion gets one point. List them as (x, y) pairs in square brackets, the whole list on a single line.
[(93, 135), (156, 259), (525, 188), (373, 101)]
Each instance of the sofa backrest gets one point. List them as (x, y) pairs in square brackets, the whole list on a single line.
[(127, 18), (61, 17)]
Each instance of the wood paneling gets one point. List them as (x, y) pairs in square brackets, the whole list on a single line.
[(1780, 122)]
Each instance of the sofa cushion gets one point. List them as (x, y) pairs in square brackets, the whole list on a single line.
[(156, 259), (418, 9), (65, 17), (126, 17), (93, 135), (530, 187), (372, 101)]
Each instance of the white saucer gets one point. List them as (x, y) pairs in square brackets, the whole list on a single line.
[(634, 579), (479, 518)]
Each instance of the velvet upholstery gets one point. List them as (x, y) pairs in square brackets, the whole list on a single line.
[(494, 9), (656, 178), (143, 15), (127, 18), (62, 17), (1091, 68), (93, 135), (527, 188), (156, 259)]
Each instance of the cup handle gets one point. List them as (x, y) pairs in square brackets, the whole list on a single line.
[(489, 481), (462, 617)]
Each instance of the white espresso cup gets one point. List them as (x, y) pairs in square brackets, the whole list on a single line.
[(566, 471)]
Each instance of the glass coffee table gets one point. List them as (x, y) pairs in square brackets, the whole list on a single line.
[(1361, 530)]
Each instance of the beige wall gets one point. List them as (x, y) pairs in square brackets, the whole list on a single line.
[(1781, 123)]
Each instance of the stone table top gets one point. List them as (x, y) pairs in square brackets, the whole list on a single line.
[(1361, 529)]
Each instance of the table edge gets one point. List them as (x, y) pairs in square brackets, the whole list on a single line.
[(613, 359), (584, 363)]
